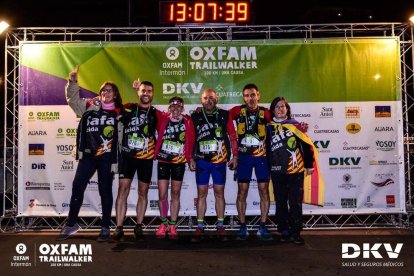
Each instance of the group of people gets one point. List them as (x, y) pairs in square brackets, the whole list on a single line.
[(126, 138)]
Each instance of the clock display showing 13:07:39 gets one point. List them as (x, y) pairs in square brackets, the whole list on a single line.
[(204, 12)]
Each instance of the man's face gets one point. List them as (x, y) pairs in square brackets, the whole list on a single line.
[(251, 98), (209, 100), (145, 94)]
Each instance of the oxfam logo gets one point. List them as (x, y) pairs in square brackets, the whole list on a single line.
[(172, 53), (108, 131)]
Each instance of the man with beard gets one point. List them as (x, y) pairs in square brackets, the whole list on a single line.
[(137, 154), (215, 141)]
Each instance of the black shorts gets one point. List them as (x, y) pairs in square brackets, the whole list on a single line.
[(167, 170), (131, 165)]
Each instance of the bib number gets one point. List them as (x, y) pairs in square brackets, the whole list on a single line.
[(171, 147), (135, 142), (250, 141), (208, 146)]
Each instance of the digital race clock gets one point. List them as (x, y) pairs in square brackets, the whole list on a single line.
[(194, 12)]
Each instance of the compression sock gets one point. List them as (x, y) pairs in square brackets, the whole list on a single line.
[(164, 208), (220, 222), (200, 223), (164, 220)]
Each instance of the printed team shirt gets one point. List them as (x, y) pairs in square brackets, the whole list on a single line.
[(99, 131), (210, 136), (251, 129), (138, 139), (172, 148)]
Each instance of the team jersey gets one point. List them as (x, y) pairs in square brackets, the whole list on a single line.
[(138, 139), (98, 128), (212, 143), (251, 129), (286, 151)]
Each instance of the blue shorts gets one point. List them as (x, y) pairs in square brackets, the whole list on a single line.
[(204, 169), (245, 166)]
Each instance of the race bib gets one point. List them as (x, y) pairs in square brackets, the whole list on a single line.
[(250, 141), (171, 147), (135, 142), (208, 146)]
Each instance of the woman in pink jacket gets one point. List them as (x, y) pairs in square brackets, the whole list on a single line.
[(173, 149)]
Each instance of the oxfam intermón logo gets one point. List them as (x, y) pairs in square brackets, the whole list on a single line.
[(172, 53)]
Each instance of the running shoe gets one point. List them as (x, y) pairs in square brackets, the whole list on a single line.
[(162, 230), (68, 231), (172, 232), (221, 233), (285, 237), (197, 235), (118, 234), (298, 240), (138, 233), (104, 235), (264, 234), (243, 233)]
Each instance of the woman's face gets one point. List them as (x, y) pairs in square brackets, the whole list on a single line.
[(176, 108), (280, 110), (107, 94)]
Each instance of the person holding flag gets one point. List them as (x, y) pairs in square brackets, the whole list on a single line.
[(293, 165)]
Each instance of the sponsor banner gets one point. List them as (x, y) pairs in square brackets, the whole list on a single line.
[(355, 125)]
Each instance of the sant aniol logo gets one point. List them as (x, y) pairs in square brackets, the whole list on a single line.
[(326, 112)]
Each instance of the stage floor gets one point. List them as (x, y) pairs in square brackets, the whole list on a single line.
[(320, 255)]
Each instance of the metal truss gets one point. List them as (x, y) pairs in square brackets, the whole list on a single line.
[(10, 221)]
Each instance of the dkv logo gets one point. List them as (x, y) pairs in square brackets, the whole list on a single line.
[(353, 250)]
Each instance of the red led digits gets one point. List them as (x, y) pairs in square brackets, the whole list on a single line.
[(201, 12)]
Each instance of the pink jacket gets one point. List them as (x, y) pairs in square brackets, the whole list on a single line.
[(189, 134)]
